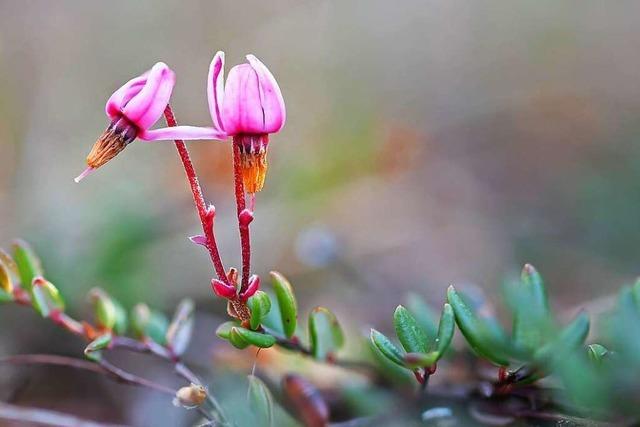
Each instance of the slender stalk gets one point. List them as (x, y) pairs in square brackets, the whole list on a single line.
[(104, 368), (205, 218), (245, 239)]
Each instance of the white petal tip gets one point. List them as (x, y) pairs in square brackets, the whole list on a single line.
[(84, 174)]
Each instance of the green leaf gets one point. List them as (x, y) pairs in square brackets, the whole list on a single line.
[(411, 335), (423, 313), (254, 338), (483, 334), (286, 302), (92, 351), (104, 308), (149, 323), (386, 347), (28, 264), (445, 330), (45, 297), (259, 306), (530, 306), (6, 282), (570, 338), (325, 333), (236, 339), (421, 360), (181, 328), (597, 353), (260, 401), (224, 330), (122, 323)]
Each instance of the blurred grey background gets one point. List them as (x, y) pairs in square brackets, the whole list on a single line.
[(427, 143)]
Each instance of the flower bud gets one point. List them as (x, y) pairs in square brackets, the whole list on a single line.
[(191, 396)]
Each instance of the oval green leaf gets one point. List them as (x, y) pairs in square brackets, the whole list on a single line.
[(485, 340), (446, 329), (27, 262), (387, 348), (260, 401), (287, 303), (254, 338), (45, 297), (325, 333), (412, 337), (259, 306)]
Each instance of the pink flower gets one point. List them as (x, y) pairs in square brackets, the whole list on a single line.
[(133, 109), (251, 102), (249, 108)]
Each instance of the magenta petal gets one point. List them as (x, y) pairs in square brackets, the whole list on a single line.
[(189, 133), (147, 106), (270, 97), (122, 96), (241, 108), (215, 89)]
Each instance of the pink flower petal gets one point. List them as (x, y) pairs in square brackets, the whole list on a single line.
[(215, 89), (241, 108), (122, 96), (147, 106), (270, 97), (182, 132)]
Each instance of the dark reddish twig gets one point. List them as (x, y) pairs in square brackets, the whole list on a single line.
[(102, 367), (205, 215), (243, 224)]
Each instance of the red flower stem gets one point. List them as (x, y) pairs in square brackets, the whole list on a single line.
[(198, 198), (245, 239)]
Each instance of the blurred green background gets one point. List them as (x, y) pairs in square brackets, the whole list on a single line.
[(427, 143)]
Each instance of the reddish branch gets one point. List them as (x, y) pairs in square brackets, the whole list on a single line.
[(206, 215)]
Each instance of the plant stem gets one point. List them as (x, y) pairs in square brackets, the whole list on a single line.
[(245, 239), (205, 219), (103, 367)]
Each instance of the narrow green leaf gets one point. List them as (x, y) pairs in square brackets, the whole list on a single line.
[(45, 297), (104, 308), (530, 306), (446, 328), (259, 306), (570, 338), (122, 322), (412, 337), (92, 351), (181, 328), (224, 330), (28, 264), (483, 335), (260, 401), (387, 348), (146, 322), (286, 302), (423, 314), (325, 333), (254, 338)]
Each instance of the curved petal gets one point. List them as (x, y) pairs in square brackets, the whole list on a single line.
[(182, 132), (147, 106), (241, 108), (123, 95), (215, 89), (270, 97)]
